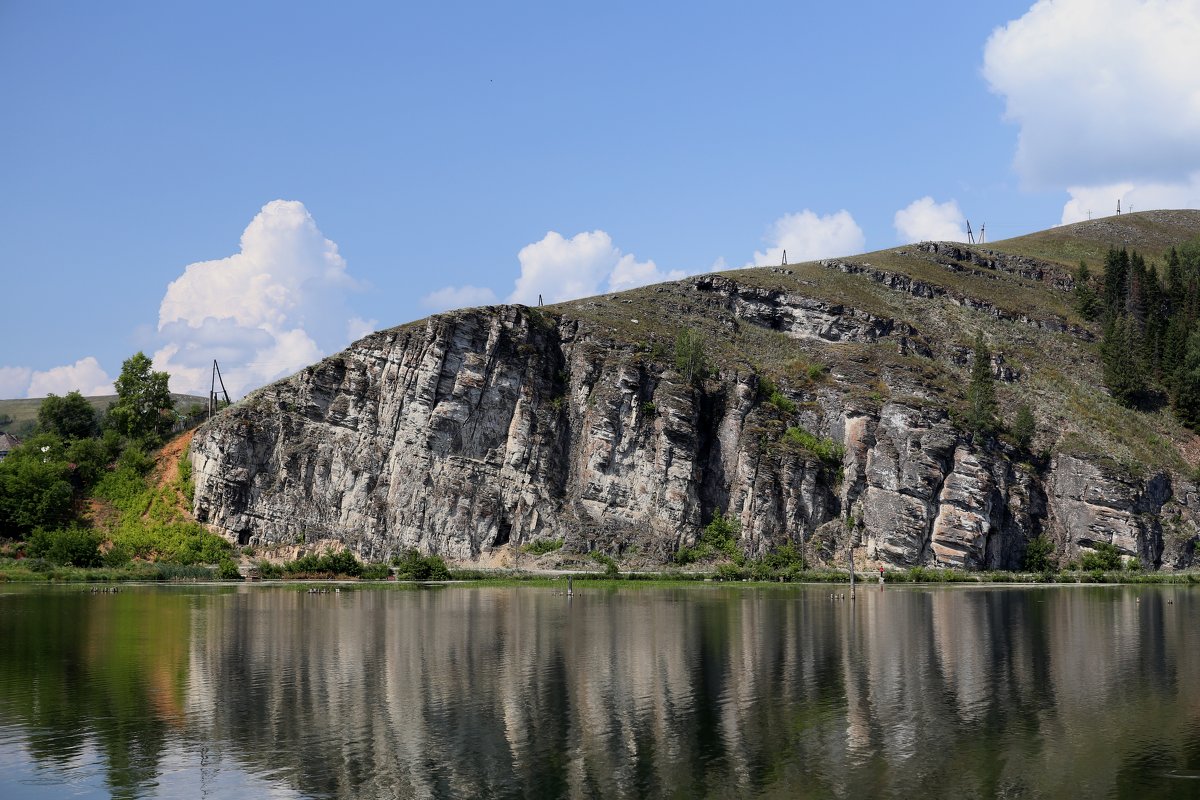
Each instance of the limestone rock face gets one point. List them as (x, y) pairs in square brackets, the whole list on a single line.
[(485, 429)]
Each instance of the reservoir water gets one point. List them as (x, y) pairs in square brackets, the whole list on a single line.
[(686, 691)]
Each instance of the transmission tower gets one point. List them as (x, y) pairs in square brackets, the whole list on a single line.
[(970, 235)]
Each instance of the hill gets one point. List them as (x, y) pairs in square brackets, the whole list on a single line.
[(825, 412), (23, 411)]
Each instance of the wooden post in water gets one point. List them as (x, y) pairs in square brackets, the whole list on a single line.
[(570, 585)]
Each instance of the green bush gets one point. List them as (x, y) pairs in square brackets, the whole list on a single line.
[(690, 358), (611, 569), (342, 562), (1039, 554), (785, 560), (268, 570), (376, 572), (412, 566), (540, 547), (75, 547), (769, 392), (719, 538), (328, 565), (1103, 557), (35, 486), (118, 555), (228, 571), (829, 451)]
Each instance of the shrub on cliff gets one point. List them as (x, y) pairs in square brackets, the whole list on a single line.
[(690, 358), (539, 547)]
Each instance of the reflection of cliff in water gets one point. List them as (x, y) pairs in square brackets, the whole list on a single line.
[(696, 690), (501, 692)]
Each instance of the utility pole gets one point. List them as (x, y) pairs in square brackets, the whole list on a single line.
[(970, 235), (981, 236), (212, 390), (784, 264), (1118, 206)]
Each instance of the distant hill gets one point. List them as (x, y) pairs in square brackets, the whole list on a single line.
[(1151, 233), (22, 412)]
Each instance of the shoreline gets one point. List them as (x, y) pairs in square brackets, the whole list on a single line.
[(74, 576)]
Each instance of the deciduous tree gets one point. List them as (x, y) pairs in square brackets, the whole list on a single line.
[(143, 407)]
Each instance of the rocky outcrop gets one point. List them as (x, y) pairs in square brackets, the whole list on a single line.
[(481, 430)]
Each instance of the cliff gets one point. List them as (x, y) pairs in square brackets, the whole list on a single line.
[(827, 417)]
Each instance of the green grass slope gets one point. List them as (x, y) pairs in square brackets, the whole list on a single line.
[(1151, 233)]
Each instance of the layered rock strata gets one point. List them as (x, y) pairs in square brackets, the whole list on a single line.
[(486, 429)]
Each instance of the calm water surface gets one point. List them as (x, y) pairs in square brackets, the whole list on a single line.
[(695, 691)]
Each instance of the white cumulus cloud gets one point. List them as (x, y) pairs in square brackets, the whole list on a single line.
[(276, 305), (557, 268), (14, 382), (1101, 201), (1105, 95), (806, 237), (926, 220), (85, 376), (458, 297)]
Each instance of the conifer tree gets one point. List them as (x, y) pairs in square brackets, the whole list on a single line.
[(981, 392), (1122, 367), (1086, 302), (1187, 381), (1116, 274), (1024, 426)]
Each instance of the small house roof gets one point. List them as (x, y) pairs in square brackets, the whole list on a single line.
[(8, 442)]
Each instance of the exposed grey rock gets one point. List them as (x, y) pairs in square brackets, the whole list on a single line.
[(481, 430)]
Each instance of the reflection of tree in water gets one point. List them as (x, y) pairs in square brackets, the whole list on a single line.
[(726, 692), (103, 671)]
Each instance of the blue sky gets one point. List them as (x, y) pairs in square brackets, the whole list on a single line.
[(458, 153)]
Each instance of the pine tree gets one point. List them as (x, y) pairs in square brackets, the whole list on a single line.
[(1122, 368), (1086, 302), (1116, 282), (1187, 383), (1024, 427), (981, 392)]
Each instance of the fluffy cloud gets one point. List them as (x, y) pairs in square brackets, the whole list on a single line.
[(1102, 200), (925, 220), (806, 236), (565, 269), (85, 376), (458, 297), (278, 304), (14, 381), (556, 268), (1105, 94)]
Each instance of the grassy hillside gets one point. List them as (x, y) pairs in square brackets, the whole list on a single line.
[(1151, 233)]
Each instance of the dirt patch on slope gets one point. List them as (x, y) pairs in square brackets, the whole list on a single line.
[(166, 462)]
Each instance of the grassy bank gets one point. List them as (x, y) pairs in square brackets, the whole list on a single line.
[(42, 570)]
